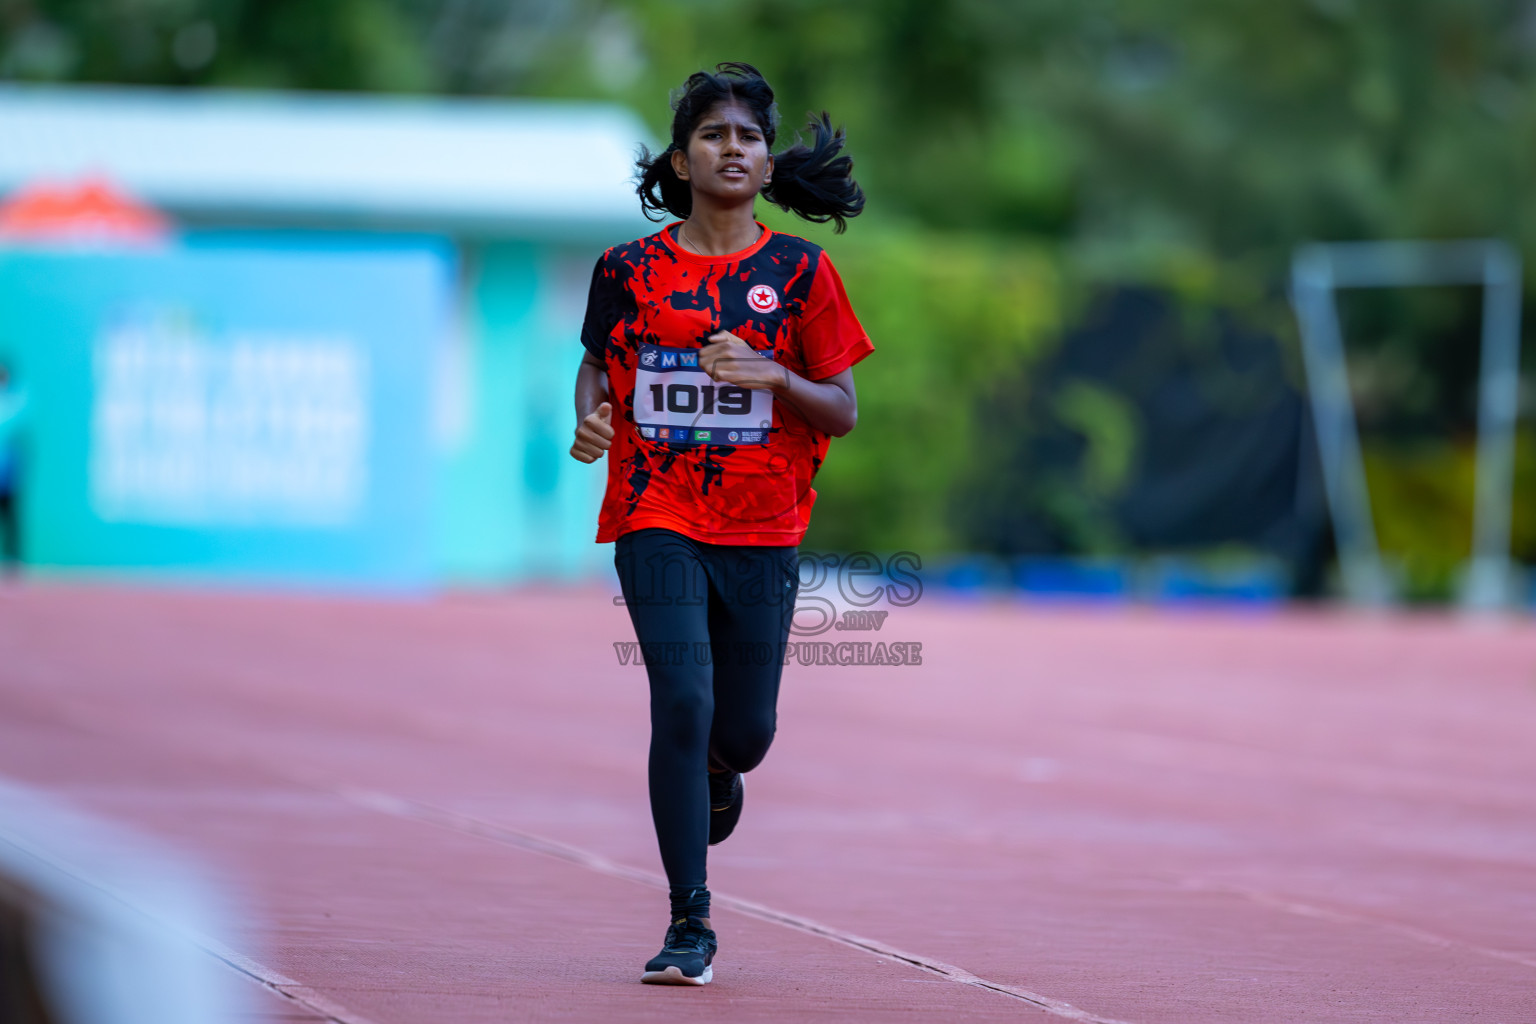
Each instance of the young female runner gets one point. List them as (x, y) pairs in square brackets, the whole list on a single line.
[(717, 366)]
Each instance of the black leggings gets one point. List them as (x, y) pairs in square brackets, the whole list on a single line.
[(712, 621)]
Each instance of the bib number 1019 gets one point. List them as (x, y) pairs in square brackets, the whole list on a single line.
[(677, 402), (701, 399)]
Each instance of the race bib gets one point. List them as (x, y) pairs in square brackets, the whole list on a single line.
[(676, 401)]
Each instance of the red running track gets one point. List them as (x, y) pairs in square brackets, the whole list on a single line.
[(439, 809)]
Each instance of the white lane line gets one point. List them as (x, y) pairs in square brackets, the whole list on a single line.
[(1304, 909), (455, 821), (282, 985), (263, 975)]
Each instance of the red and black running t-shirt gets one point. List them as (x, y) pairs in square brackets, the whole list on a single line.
[(718, 463)]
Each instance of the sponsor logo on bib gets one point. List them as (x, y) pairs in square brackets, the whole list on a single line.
[(762, 298)]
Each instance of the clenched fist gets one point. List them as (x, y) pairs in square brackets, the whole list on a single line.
[(730, 360), (595, 435)]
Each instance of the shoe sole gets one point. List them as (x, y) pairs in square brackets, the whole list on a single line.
[(674, 976)]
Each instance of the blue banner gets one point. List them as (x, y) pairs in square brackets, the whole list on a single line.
[(255, 415)]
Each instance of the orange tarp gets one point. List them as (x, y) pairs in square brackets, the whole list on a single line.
[(89, 210)]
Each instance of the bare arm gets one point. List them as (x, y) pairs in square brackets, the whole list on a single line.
[(594, 412), (591, 385), (830, 405)]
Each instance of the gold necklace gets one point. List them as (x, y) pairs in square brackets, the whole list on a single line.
[(682, 227)]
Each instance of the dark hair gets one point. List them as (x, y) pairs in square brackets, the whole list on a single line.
[(814, 182)]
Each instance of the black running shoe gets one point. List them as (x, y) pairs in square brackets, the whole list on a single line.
[(685, 957), (726, 793)]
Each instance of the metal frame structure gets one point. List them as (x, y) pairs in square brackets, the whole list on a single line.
[(1317, 271)]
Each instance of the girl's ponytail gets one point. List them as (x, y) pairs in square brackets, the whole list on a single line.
[(816, 181), (661, 191)]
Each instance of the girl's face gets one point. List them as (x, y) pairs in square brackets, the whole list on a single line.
[(727, 158)]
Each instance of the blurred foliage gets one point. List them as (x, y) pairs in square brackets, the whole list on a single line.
[(1011, 150), (487, 46), (1428, 549), (1231, 129)]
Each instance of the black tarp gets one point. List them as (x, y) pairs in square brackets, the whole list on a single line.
[(1214, 427)]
